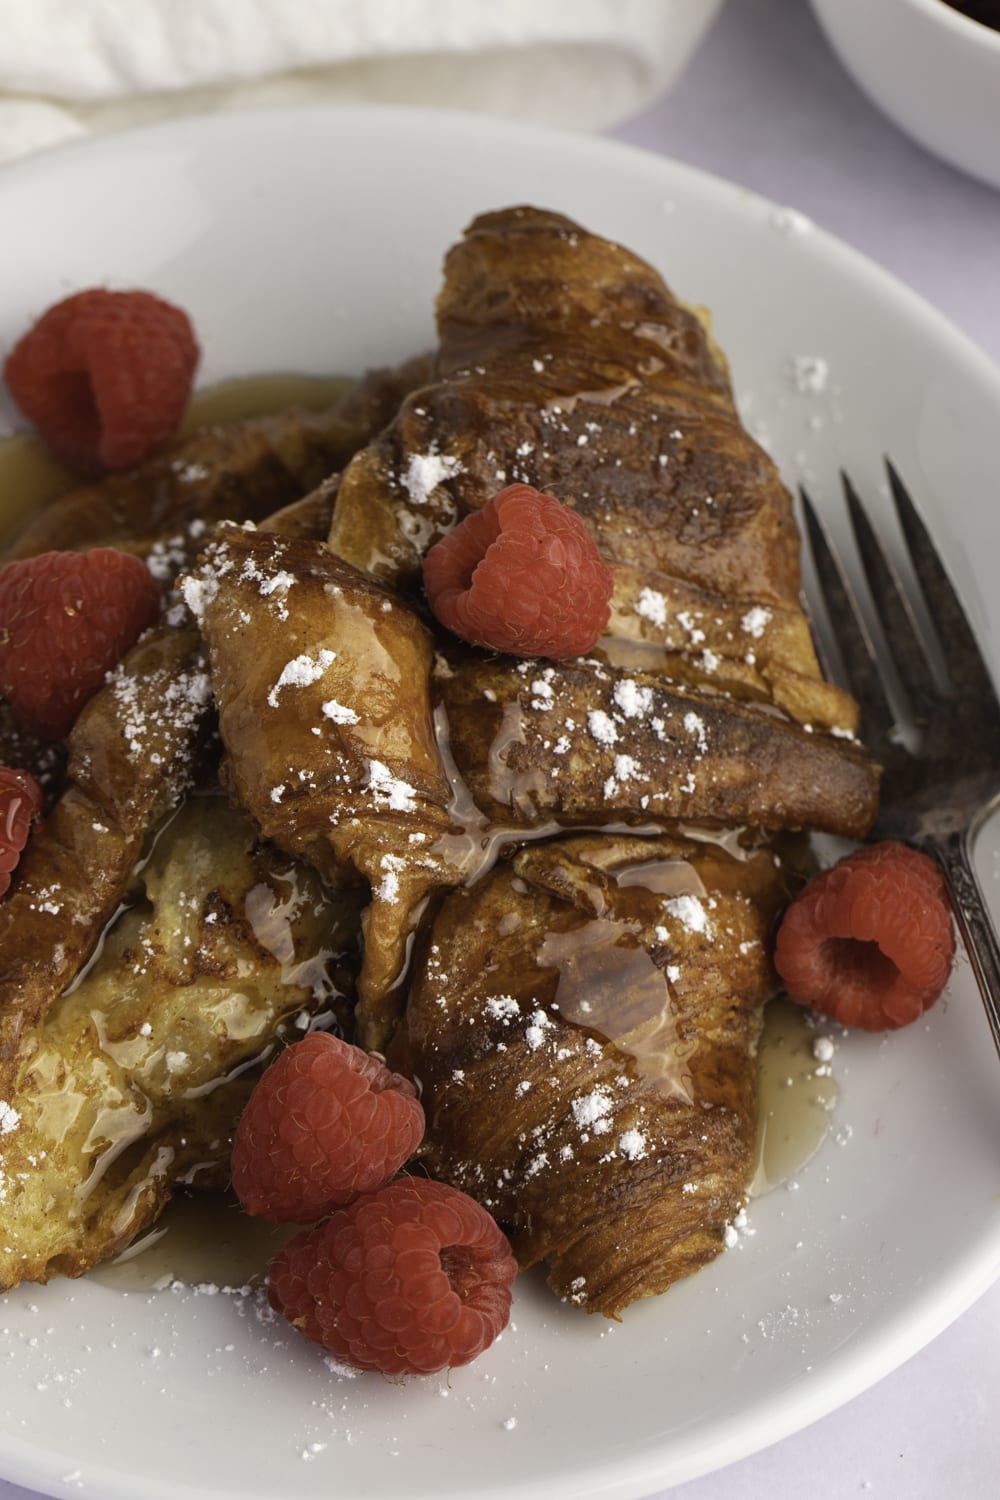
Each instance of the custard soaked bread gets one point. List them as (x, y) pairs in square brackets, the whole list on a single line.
[(150, 951)]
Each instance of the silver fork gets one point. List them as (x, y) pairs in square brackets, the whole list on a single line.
[(937, 793)]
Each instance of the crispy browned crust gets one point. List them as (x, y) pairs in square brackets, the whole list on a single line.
[(658, 754), (586, 1054)]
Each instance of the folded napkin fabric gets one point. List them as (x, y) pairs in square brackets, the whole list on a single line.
[(68, 67)]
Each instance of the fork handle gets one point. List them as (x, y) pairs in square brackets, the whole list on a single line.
[(954, 854)]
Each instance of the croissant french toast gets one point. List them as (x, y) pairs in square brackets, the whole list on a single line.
[(566, 363), (328, 733), (135, 1079), (583, 1024), (183, 943), (569, 870), (241, 472), (132, 754)]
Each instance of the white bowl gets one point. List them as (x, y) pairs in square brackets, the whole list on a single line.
[(933, 71)]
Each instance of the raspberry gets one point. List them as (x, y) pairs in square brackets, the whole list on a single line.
[(325, 1123), (870, 941), (105, 376), (521, 575), (409, 1280), (66, 618), (20, 801)]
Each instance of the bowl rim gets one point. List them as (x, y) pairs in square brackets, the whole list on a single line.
[(940, 13)]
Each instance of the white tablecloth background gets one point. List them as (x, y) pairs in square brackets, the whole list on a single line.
[(765, 104)]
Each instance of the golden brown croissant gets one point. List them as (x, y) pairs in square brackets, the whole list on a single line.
[(583, 1024), (566, 363), (322, 681)]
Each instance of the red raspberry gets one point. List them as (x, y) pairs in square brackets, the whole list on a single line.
[(105, 376), (870, 941), (409, 1280), (325, 1123), (521, 575), (20, 801), (66, 618)]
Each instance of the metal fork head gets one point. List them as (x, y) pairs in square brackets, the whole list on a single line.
[(952, 763)]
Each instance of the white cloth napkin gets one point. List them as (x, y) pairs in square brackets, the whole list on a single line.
[(68, 67)]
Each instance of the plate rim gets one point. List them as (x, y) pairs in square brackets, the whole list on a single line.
[(776, 1416)]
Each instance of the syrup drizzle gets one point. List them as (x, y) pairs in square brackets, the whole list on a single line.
[(204, 1237)]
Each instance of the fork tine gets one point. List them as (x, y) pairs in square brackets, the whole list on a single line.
[(965, 660), (894, 612), (855, 644)]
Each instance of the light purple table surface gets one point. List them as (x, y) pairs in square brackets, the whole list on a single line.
[(765, 104)]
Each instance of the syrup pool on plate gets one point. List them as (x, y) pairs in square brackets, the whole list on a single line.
[(201, 1238), (796, 1096)]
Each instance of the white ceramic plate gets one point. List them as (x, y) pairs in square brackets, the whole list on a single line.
[(312, 242)]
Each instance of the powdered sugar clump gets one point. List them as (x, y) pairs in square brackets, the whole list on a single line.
[(810, 374), (425, 471), (755, 621), (339, 712), (601, 727), (389, 791), (652, 607), (689, 911), (633, 700), (593, 1111), (301, 671), (632, 1144)]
